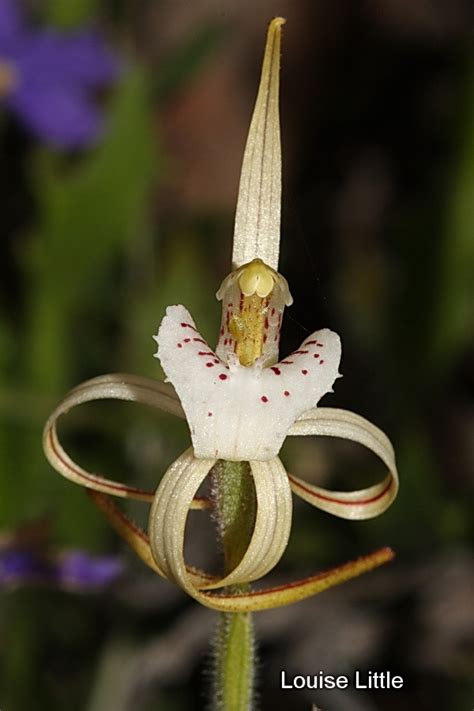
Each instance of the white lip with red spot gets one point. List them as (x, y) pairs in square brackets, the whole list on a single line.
[(242, 413)]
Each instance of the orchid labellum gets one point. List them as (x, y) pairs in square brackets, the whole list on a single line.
[(240, 402)]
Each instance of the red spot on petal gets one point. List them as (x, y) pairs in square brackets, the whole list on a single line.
[(223, 376), (321, 345), (273, 312), (216, 361), (321, 362), (222, 331), (316, 355), (180, 345), (209, 365), (266, 322), (205, 353), (305, 372), (209, 414), (199, 340), (310, 343), (226, 340), (300, 352), (286, 393), (187, 340), (264, 398), (264, 337), (286, 362), (276, 370)]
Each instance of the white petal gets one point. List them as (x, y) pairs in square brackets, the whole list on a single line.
[(242, 413)]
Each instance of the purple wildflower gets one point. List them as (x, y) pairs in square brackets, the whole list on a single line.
[(17, 566), (48, 79), (79, 570), (24, 559)]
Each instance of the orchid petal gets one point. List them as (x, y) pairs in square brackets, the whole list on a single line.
[(265, 599), (242, 413), (126, 529), (117, 386), (136, 537), (290, 593), (361, 504), (257, 219), (169, 513), (135, 388)]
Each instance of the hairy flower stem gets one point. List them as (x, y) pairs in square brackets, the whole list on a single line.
[(234, 646)]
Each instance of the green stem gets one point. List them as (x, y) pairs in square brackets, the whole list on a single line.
[(234, 645), (234, 662)]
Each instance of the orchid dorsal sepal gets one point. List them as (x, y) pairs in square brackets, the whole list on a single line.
[(257, 218)]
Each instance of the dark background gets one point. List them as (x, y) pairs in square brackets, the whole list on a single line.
[(377, 107)]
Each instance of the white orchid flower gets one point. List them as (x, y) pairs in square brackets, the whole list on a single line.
[(239, 402)]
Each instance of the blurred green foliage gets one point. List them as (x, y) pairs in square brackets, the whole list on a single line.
[(68, 14), (454, 314), (88, 213)]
